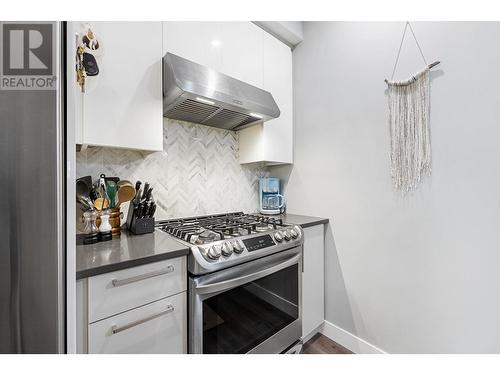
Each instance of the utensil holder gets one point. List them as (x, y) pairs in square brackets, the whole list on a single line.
[(115, 217), (139, 225)]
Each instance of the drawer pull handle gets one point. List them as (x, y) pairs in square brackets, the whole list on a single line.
[(134, 279), (115, 329)]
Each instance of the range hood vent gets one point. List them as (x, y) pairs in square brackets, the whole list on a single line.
[(195, 93)]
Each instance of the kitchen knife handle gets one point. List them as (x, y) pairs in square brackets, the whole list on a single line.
[(148, 194), (138, 210), (147, 206), (152, 210), (146, 188)]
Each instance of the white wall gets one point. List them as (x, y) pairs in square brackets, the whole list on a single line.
[(421, 273)]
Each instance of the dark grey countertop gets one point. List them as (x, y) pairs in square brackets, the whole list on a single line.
[(129, 250), (126, 251), (303, 221)]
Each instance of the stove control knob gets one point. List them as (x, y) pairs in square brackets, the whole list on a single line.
[(294, 233), (287, 235), (278, 237), (237, 247), (214, 252), (227, 249)]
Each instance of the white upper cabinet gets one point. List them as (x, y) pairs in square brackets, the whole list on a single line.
[(122, 106), (278, 133), (244, 51), (232, 48), (272, 141), (196, 41)]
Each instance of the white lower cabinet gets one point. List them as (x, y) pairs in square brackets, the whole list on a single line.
[(139, 310), (313, 280), (156, 328), (114, 292)]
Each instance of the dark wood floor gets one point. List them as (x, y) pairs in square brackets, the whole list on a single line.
[(320, 344)]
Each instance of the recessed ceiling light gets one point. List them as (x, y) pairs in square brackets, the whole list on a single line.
[(216, 43), (205, 101)]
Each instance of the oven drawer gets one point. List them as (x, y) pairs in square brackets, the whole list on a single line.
[(159, 327), (116, 292)]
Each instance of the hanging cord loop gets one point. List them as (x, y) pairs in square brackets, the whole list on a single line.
[(429, 66)]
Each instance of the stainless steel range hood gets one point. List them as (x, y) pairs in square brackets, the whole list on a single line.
[(195, 93)]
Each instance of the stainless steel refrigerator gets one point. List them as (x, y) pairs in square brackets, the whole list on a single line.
[(32, 190)]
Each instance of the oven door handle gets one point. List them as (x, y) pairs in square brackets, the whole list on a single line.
[(237, 281)]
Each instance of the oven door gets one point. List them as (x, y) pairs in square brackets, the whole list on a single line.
[(254, 307)]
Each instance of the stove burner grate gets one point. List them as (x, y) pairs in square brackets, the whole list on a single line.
[(206, 229)]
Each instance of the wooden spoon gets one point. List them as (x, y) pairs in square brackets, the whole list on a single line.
[(124, 182), (125, 194), (101, 204)]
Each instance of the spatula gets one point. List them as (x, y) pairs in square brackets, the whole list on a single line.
[(111, 189)]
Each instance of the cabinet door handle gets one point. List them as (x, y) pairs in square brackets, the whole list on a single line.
[(116, 329), (116, 282)]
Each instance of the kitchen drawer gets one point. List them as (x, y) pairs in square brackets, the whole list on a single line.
[(116, 292), (158, 327)]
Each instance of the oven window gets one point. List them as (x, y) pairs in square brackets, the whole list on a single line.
[(238, 320)]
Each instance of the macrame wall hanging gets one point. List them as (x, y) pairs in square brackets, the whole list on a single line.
[(409, 124)]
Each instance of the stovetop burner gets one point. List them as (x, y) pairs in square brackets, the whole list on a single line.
[(207, 229), (222, 241), (263, 227), (206, 236)]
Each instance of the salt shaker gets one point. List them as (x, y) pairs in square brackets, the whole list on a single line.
[(105, 227)]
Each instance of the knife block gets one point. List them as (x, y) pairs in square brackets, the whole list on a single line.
[(139, 226)]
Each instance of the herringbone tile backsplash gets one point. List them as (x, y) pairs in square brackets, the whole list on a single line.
[(196, 173)]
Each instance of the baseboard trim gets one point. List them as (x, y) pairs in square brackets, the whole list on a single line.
[(348, 340), (310, 335)]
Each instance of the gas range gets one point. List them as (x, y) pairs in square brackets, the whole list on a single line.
[(222, 241)]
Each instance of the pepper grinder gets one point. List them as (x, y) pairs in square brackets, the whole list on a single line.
[(105, 227), (90, 230)]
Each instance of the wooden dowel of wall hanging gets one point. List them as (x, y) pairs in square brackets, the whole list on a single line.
[(430, 66)]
